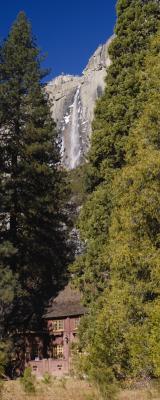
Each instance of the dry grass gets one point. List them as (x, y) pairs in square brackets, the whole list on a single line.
[(139, 395), (69, 389)]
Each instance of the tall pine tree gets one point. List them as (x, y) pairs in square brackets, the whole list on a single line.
[(119, 107), (33, 190), (120, 220), (123, 330), (115, 115)]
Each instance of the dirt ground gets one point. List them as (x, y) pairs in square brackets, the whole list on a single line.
[(69, 389)]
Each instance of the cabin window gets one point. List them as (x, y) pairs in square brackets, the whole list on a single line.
[(76, 322), (58, 351), (58, 325)]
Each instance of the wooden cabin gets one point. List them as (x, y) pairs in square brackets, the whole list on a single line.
[(50, 350)]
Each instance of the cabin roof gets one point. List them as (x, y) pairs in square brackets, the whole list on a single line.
[(67, 303)]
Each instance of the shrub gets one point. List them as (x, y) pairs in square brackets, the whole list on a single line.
[(28, 381), (47, 378)]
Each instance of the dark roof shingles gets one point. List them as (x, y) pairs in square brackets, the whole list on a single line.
[(67, 303)]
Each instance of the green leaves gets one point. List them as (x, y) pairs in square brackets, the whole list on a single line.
[(33, 218), (120, 221)]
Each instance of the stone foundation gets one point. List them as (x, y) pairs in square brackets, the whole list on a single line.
[(57, 368)]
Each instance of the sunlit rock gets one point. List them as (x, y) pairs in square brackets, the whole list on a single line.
[(73, 100)]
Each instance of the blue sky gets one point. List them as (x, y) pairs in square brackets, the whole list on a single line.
[(69, 31)]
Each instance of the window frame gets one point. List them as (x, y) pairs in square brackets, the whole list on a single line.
[(76, 322), (58, 325), (58, 351)]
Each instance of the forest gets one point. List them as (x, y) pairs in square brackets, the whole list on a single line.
[(117, 193)]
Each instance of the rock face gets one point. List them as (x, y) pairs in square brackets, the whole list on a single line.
[(73, 100)]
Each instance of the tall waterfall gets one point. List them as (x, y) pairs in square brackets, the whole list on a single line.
[(73, 100), (75, 146)]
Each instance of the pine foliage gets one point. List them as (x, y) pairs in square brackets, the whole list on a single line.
[(33, 190), (120, 221), (121, 103)]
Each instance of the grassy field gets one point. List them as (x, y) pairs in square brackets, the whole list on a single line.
[(69, 389)]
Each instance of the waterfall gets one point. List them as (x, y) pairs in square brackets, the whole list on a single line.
[(75, 148)]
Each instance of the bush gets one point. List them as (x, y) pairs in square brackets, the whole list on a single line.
[(47, 378), (28, 381)]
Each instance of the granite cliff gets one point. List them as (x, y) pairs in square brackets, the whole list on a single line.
[(73, 100)]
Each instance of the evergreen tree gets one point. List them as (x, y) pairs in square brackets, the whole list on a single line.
[(122, 330), (120, 105), (115, 115), (119, 222), (33, 187)]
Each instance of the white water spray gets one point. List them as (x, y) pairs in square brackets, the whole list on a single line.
[(75, 150)]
